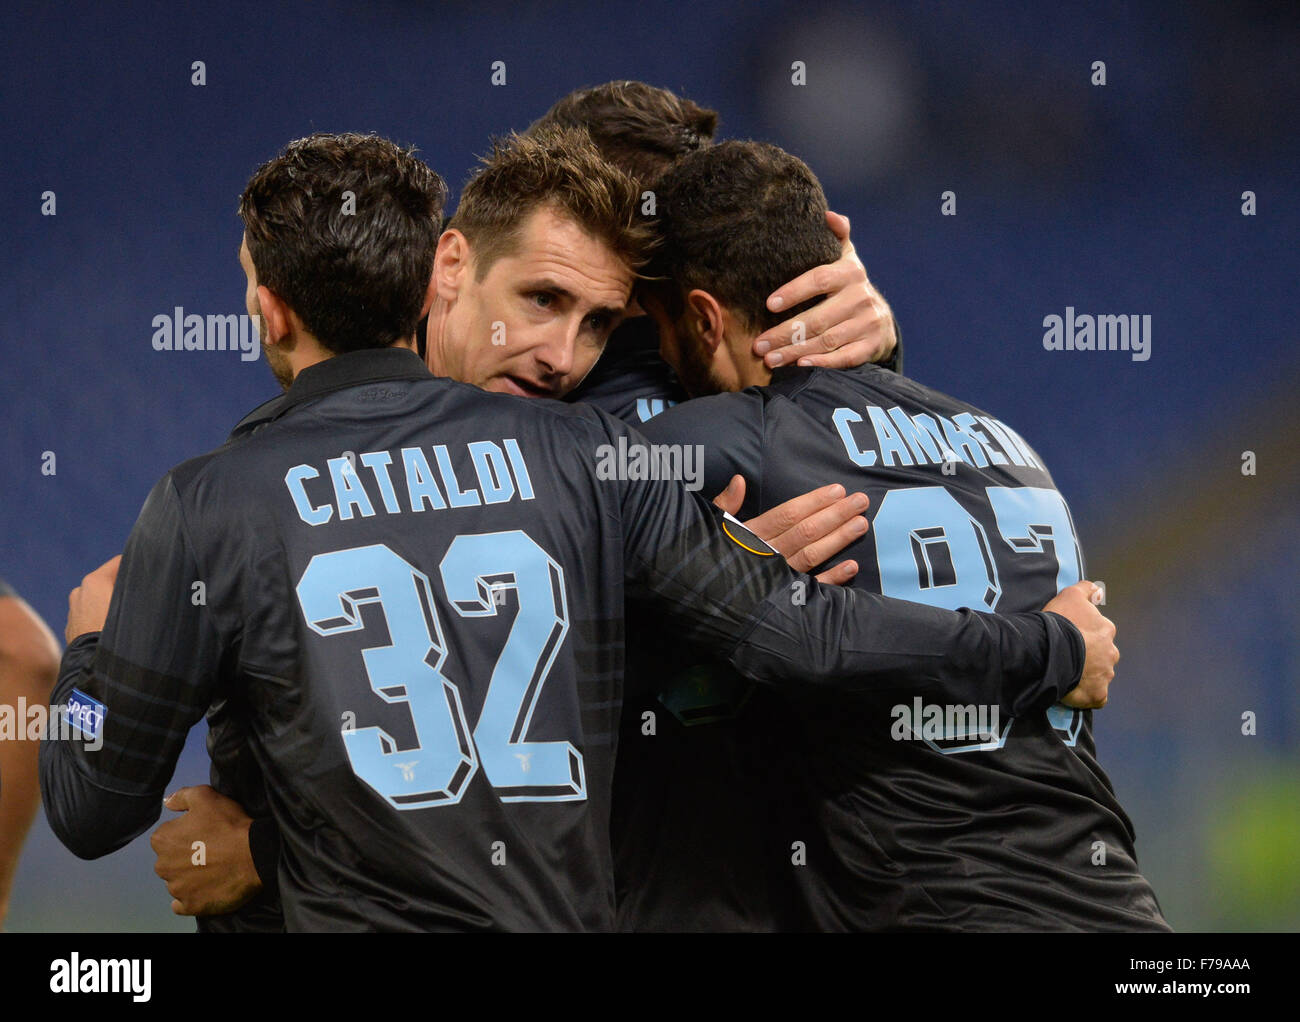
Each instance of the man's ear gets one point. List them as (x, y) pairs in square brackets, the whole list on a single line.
[(276, 314), (452, 265), (705, 317)]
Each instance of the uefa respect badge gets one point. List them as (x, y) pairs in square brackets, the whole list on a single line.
[(85, 714)]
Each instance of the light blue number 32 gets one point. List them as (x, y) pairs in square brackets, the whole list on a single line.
[(475, 570), (332, 591)]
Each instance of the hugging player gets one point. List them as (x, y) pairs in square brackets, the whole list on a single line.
[(390, 803), (981, 823), (550, 345)]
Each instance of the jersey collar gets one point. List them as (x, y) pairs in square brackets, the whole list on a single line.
[(351, 369)]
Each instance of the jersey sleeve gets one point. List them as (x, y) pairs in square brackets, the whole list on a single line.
[(733, 425), (147, 678), (895, 360), (264, 846), (721, 592)]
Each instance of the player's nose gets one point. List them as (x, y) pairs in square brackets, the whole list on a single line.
[(556, 356)]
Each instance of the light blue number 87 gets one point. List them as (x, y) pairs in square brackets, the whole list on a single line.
[(930, 550)]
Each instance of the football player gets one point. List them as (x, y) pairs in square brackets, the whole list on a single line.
[(902, 811), (427, 636)]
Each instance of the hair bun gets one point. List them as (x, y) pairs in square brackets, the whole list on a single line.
[(688, 138)]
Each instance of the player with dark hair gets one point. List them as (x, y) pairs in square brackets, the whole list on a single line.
[(428, 635), (641, 129), (524, 278), (644, 130), (29, 661), (903, 811), (528, 209)]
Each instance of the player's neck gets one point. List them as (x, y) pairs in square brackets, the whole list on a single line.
[(299, 352), (308, 352), (750, 371), (436, 346)]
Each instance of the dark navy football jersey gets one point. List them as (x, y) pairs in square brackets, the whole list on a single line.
[(414, 591), (889, 809), (693, 794), (630, 380), (236, 774)]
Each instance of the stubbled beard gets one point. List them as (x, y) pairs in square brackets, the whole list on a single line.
[(696, 373), (280, 367)]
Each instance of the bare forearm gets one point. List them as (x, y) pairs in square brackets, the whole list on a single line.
[(29, 657)]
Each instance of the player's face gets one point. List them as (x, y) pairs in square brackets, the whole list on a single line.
[(275, 358), (684, 350), (538, 320)]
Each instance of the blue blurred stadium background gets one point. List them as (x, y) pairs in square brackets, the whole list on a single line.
[(1122, 198)]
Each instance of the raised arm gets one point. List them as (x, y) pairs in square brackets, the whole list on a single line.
[(850, 326)]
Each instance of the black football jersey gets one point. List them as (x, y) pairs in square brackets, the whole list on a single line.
[(412, 591), (889, 809), (630, 380)]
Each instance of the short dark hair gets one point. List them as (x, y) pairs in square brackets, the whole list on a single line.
[(557, 168), (356, 279), (738, 220), (640, 128)]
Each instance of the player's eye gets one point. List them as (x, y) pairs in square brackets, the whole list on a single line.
[(542, 299), (598, 322)]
